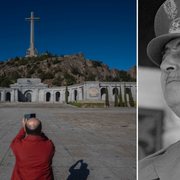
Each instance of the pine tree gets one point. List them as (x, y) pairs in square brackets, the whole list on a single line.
[(107, 98), (125, 98), (115, 98), (131, 100), (66, 94), (120, 98)]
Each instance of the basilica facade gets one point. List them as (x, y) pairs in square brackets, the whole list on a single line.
[(32, 90)]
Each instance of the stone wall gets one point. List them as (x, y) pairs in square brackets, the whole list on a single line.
[(32, 90)]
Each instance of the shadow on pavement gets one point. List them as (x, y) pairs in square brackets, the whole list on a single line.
[(78, 174)]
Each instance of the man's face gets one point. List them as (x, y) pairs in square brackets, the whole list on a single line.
[(170, 77)]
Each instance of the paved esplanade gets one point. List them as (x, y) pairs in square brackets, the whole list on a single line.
[(104, 139), (32, 51)]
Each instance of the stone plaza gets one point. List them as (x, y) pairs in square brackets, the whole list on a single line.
[(91, 143)]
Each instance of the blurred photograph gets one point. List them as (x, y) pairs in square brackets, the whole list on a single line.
[(159, 87)]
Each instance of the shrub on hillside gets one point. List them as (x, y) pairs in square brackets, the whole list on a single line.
[(96, 63), (31, 71), (42, 76), (126, 77), (20, 70), (47, 75), (116, 79), (75, 71), (111, 79), (16, 58), (57, 81), (35, 67), (39, 71), (69, 78), (15, 75), (5, 81), (28, 66), (23, 61), (33, 60), (58, 70), (28, 76), (108, 78), (91, 77), (56, 61)]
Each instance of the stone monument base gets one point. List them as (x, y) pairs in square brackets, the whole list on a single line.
[(31, 52)]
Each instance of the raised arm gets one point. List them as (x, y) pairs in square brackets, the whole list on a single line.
[(21, 135)]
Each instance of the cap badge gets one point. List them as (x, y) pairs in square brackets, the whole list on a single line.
[(170, 8), (175, 26)]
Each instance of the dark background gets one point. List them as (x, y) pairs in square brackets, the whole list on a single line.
[(146, 11)]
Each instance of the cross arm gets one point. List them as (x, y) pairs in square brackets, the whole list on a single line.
[(27, 19), (36, 19)]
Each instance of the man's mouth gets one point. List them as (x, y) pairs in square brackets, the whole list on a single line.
[(173, 79)]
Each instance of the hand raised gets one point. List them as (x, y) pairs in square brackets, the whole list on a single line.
[(24, 122)]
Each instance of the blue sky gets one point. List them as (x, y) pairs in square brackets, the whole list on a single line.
[(104, 30)]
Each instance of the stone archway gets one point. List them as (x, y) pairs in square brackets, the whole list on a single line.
[(114, 93), (127, 93), (75, 95), (8, 96), (48, 96), (28, 97), (82, 93), (103, 93), (127, 90), (57, 96)]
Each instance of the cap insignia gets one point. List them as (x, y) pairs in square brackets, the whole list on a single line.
[(170, 9), (175, 26)]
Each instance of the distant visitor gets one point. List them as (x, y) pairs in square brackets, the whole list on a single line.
[(33, 153)]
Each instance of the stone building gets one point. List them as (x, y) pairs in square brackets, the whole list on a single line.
[(32, 90)]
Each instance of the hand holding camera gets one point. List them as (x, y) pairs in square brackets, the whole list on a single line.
[(27, 117), (24, 122)]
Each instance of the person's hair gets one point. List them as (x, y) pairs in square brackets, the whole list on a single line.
[(35, 131)]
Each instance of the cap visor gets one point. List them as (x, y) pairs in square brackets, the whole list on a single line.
[(156, 46)]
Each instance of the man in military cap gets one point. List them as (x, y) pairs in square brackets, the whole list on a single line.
[(164, 51)]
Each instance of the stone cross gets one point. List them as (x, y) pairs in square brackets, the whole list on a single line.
[(32, 51)]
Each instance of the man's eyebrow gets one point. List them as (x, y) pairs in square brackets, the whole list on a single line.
[(177, 45), (164, 51)]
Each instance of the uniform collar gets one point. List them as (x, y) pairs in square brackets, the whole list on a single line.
[(167, 165)]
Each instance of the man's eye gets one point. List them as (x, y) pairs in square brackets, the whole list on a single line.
[(163, 57)]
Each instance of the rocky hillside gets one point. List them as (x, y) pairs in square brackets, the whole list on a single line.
[(57, 71)]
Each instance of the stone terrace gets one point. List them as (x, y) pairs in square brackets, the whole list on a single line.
[(103, 138)]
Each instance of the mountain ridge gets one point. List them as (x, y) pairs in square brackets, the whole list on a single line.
[(58, 70)]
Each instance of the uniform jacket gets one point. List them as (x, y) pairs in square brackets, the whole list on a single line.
[(163, 165), (33, 157)]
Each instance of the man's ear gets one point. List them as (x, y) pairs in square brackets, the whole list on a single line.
[(25, 130), (41, 130)]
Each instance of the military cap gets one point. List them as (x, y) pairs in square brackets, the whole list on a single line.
[(167, 27)]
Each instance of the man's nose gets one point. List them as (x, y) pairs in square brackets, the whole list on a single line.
[(169, 65)]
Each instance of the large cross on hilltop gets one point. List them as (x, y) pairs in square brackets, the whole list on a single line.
[(32, 51)]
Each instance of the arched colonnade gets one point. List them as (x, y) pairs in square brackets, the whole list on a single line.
[(111, 92), (5, 96), (59, 96)]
